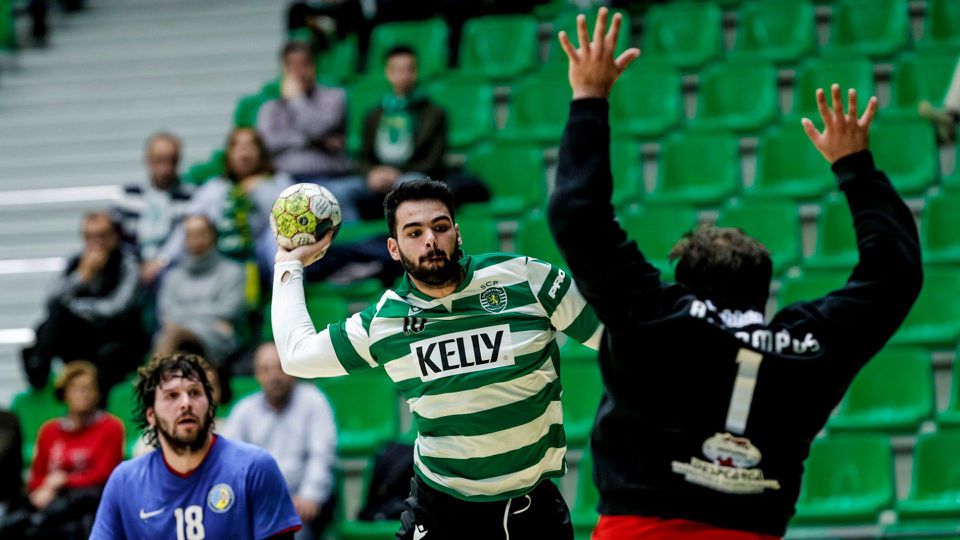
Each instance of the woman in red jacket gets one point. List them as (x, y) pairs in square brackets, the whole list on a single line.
[(74, 456)]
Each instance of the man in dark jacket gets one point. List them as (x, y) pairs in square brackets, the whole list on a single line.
[(709, 412)]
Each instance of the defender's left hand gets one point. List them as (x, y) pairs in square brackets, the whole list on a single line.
[(593, 70)]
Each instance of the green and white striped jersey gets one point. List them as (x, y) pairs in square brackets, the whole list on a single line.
[(479, 368)]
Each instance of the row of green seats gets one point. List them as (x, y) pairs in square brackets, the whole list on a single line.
[(8, 36)]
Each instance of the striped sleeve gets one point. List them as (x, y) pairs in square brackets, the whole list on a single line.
[(563, 303), (337, 350)]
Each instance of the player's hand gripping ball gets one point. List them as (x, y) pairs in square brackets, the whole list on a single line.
[(302, 214)]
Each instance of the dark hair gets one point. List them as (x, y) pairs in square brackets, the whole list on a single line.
[(161, 369), (162, 136), (423, 189), (724, 264), (397, 50), (111, 218), (264, 165), (210, 225), (71, 371), (294, 47)]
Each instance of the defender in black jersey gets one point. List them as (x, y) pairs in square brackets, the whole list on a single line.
[(709, 412)]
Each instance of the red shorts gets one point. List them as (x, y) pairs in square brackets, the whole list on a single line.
[(652, 528)]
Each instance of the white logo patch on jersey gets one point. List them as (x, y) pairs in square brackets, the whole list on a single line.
[(463, 352), (148, 515)]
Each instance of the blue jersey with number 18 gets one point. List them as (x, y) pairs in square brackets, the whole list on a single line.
[(237, 492)]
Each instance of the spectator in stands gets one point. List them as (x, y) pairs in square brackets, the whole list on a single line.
[(304, 129), (945, 119), (201, 299), (149, 213), (92, 311), (294, 422), (74, 457)]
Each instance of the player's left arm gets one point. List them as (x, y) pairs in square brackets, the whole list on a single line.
[(271, 507), (569, 312)]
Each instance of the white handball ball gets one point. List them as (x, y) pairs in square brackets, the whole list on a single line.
[(302, 214)]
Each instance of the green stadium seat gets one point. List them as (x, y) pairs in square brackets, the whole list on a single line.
[(950, 418), (479, 233), (877, 28), (567, 21), (776, 32), (583, 512), (338, 64), (656, 229), (121, 403), (326, 308), (935, 486), (8, 34), (271, 89), (707, 180), (848, 479), (241, 386), (789, 166), (366, 408), (687, 34), (924, 76), (582, 388), (362, 97), (627, 171), (776, 224), (906, 149), (200, 172), (720, 97), (836, 242), (245, 113), (875, 403), (32, 408), (646, 101), (350, 529), (533, 239), (500, 47), (934, 320), (809, 286), (939, 224), (428, 38), (941, 28), (514, 173), (847, 71), (468, 103), (539, 106)]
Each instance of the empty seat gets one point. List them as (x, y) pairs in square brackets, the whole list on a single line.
[(848, 479), (627, 171), (468, 103), (479, 233), (776, 224), (362, 97), (533, 239), (646, 101), (245, 112), (950, 418), (365, 406), (656, 229), (338, 64), (877, 28), (500, 47), (122, 402), (778, 32), (514, 173), (935, 486), (939, 225), (934, 320), (906, 149), (924, 76), (809, 286), (836, 242), (241, 386), (848, 71), (354, 529), (32, 408), (697, 168), (582, 388), (737, 96), (428, 38), (326, 308), (941, 25), (874, 403), (538, 108), (687, 34), (789, 166)]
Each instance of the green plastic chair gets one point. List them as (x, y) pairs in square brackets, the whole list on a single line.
[(836, 242), (567, 21), (362, 97), (539, 106), (707, 180), (646, 101), (848, 479), (533, 239), (876, 28), (906, 149), (326, 308), (776, 32), (582, 388), (924, 76), (121, 403), (941, 25), (514, 173), (583, 512), (8, 35), (776, 224), (950, 418), (499, 47), (893, 393), (32, 408), (245, 113), (934, 320), (428, 38), (847, 71), (656, 229), (687, 34), (627, 171), (939, 224), (479, 233), (809, 286), (241, 386), (468, 103), (366, 409), (737, 96), (935, 486), (789, 167), (350, 529), (338, 64)]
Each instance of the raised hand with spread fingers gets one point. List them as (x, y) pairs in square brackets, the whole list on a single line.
[(843, 132), (593, 69)]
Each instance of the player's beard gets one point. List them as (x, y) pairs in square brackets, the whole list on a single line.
[(441, 273), (181, 443)]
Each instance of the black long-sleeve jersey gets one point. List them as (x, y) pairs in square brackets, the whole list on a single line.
[(708, 414)]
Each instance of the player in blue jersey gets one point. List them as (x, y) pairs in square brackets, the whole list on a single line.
[(198, 485)]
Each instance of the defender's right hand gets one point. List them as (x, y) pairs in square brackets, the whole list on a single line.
[(307, 255), (843, 133)]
